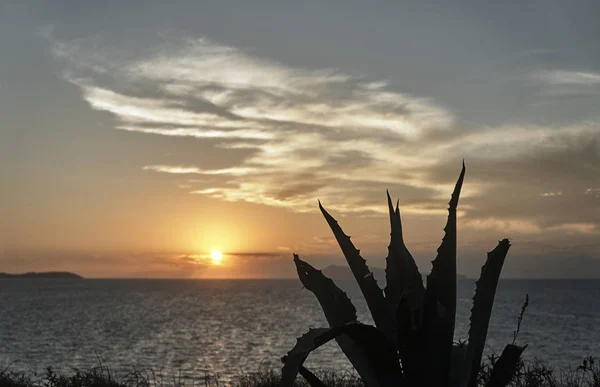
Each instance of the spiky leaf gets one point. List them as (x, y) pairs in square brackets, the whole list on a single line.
[(459, 353), (312, 379), (440, 299), (506, 366), (338, 310), (401, 271), (305, 344), (404, 289), (335, 303), (408, 329), (377, 352), (481, 312), (364, 277)]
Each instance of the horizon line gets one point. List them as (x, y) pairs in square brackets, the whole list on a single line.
[(285, 278)]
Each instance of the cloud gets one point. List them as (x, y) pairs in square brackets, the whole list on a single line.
[(183, 170), (308, 131), (583, 228), (565, 83), (565, 77), (288, 136), (173, 169), (595, 192), (504, 225)]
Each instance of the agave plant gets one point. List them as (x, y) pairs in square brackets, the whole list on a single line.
[(412, 342)]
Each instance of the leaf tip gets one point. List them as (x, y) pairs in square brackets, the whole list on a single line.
[(457, 188), (323, 211)]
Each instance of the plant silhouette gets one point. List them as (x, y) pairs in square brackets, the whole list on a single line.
[(411, 343)]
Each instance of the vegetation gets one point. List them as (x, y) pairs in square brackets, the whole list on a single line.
[(412, 342), (534, 374)]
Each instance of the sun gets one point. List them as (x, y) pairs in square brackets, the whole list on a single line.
[(216, 256)]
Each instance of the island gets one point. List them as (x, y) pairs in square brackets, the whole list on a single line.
[(42, 275)]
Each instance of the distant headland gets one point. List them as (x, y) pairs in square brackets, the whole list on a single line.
[(42, 275)]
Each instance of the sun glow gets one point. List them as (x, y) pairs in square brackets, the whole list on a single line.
[(216, 257)]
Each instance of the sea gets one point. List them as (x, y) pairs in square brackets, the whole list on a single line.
[(191, 328)]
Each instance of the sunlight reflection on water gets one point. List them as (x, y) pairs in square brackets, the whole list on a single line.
[(232, 326)]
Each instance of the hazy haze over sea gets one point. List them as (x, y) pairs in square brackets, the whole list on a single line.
[(229, 326)]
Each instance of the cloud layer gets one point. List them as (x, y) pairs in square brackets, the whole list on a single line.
[(308, 134)]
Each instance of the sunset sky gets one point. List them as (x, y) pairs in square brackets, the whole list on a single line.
[(136, 140)]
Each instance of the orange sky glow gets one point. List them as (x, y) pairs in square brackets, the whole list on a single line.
[(137, 152)]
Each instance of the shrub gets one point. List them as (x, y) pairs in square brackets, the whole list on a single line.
[(412, 342)]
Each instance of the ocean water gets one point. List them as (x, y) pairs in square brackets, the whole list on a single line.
[(189, 327)]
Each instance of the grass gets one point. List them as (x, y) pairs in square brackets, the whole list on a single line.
[(530, 374)]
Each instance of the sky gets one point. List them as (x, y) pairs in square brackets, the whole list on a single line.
[(135, 140)]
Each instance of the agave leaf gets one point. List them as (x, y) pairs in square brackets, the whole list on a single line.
[(408, 329), (401, 271), (363, 275), (404, 287), (376, 349), (459, 353), (335, 303), (338, 310), (481, 312), (312, 379), (305, 344), (440, 299), (506, 366), (443, 271)]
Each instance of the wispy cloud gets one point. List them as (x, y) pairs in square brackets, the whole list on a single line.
[(183, 170), (521, 226), (583, 228), (173, 169), (564, 83), (291, 135), (309, 131), (566, 77)]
